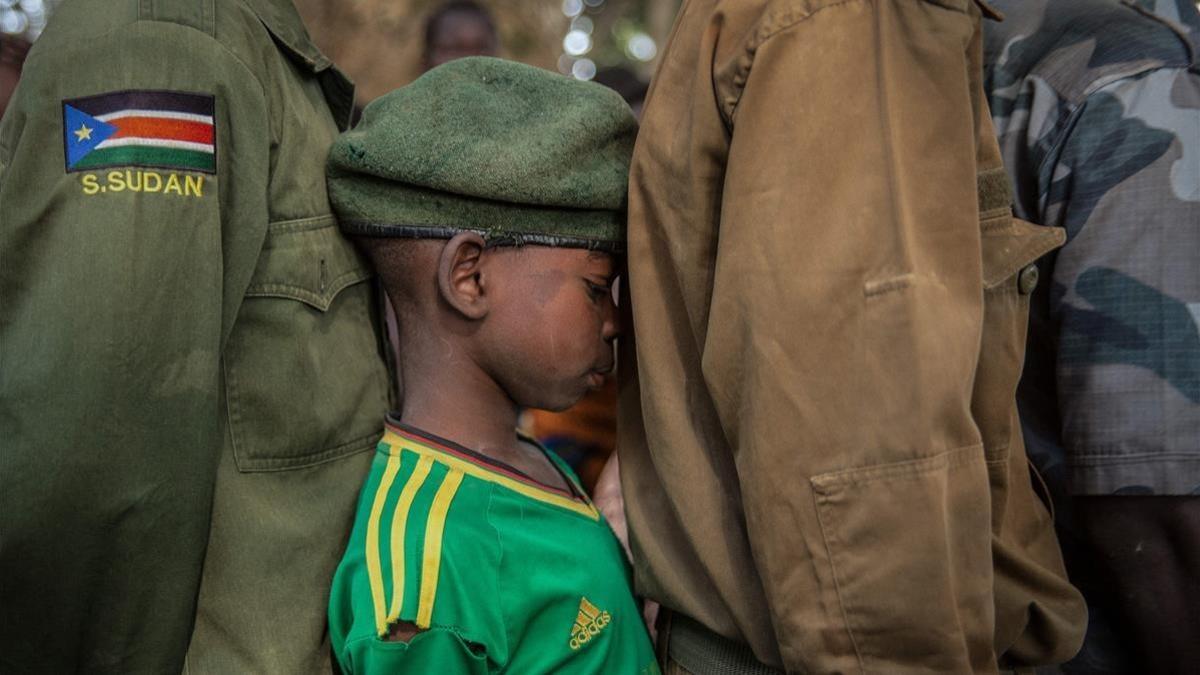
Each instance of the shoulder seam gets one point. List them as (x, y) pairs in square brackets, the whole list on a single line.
[(224, 48), (776, 22), (207, 11)]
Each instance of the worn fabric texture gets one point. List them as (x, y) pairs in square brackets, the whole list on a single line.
[(191, 381), (819, 440), (1097, 107), (518, 153)]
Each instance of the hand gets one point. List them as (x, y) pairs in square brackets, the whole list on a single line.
[(611, 502)]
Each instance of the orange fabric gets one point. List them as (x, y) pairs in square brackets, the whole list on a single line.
[(592, 421), (590, 424)]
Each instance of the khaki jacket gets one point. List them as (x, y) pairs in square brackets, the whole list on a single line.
[(190, 373), (819, 442)]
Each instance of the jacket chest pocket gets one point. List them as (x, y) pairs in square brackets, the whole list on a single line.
[(305, 382), (1011, 248)]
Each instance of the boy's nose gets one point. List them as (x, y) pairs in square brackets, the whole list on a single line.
[(611, 328)]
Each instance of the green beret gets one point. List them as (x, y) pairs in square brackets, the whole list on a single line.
[(519, 154)]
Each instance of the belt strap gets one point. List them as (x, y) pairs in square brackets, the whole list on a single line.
[(703, 652)]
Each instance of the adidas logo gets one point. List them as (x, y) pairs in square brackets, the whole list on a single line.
[(588, 624)]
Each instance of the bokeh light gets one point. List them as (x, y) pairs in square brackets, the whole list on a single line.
[(577, 43), (25, 18), (641, 47), (583, 69), (572, 8)]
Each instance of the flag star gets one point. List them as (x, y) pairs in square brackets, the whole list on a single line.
[(83, 133)]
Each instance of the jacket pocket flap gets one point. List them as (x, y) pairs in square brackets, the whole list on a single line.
[(1012, 244), (307, 260)]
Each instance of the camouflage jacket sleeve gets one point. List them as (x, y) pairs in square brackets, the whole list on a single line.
[(1124, 305)]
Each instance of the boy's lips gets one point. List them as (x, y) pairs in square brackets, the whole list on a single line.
[(597, 375)]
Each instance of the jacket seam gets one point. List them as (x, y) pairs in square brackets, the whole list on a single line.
[(827, 536), (281, 464), (224, 48), (786, 19), (305, 224), (1097, 458)]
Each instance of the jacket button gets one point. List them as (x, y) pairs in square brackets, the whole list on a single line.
[(1028, 280)]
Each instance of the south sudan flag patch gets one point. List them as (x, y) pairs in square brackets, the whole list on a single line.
[(154, 129)]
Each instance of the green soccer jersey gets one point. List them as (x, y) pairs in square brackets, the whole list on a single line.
[(499, 572)]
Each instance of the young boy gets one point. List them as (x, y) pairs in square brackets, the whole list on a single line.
[(490, 196)]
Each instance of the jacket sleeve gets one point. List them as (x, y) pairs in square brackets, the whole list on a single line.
[(844, 331), (119, 286)]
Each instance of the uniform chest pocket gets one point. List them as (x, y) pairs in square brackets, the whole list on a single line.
[(1011, 248), (305, 382)]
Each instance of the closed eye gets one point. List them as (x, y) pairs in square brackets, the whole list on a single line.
[(598, 291)]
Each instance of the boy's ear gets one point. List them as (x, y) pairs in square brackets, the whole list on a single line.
[(460, 275)]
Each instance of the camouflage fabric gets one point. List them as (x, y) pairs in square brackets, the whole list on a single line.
[(1097, 107)]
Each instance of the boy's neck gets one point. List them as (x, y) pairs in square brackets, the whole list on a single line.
[(448, 396)]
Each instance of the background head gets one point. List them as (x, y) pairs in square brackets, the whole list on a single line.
[(457, 29)]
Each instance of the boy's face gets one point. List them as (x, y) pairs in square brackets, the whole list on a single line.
[(552, 323)]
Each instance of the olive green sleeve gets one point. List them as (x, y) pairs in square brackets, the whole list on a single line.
[(119, 285)]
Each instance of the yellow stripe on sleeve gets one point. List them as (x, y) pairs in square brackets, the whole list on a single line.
[(433, 545), (399, 523), (374, 566)]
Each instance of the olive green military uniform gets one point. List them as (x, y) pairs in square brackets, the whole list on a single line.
[(820, 451), (191, 378)]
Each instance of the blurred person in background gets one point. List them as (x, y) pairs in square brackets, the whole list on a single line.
[(1097, 108), (456, 29), (451, 31)]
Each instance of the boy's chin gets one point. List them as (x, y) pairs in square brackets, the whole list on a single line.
[(558, 406), (558, 403)]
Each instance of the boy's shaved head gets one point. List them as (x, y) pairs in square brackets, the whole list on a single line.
[(407, 268)]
